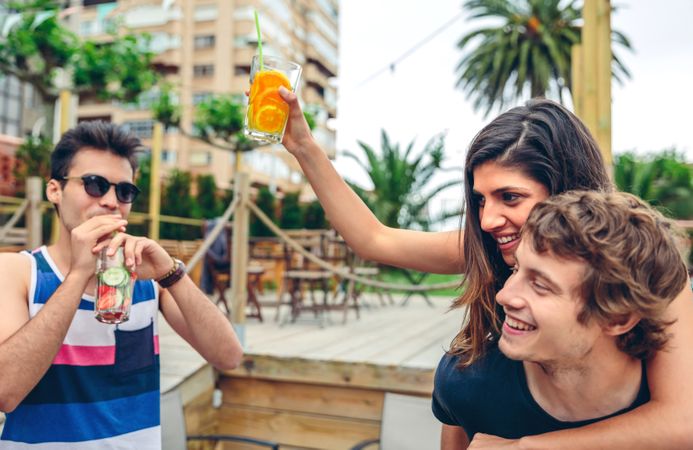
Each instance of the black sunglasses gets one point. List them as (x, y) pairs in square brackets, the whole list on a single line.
[(98, 186)]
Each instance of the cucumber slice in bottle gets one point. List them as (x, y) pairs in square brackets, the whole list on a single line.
[(119, 298), (115, 276)]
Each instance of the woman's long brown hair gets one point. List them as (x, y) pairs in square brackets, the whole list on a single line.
[(547, 143)]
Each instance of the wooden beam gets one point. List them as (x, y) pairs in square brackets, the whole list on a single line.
[(604, 80), (355, 403), (200, 417), (405, 380), (155, 181), (239, 254), (65, 98), (589, 53), (312, 431), (592, 74), (34, 188), (578, 76)]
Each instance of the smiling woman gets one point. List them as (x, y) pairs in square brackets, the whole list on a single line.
[(505, 197), (516, 161), (520, 158)]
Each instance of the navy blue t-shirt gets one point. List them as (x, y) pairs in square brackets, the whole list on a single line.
[(491, 396)]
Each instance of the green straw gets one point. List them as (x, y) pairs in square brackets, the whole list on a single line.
[(259, 39)]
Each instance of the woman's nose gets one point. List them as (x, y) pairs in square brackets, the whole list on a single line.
[(491, 218)]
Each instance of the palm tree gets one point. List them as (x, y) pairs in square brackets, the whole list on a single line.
[(401, 190), (529, 50), (662, 179)]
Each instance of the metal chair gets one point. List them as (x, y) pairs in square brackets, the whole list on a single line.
[(301, 277), (174, 436)]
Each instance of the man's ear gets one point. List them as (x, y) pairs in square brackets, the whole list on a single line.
[(54, 191), (622, 325)]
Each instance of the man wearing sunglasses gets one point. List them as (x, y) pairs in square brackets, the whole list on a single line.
[(67, 380)]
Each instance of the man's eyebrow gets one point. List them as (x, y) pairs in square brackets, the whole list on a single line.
[(547, 279)]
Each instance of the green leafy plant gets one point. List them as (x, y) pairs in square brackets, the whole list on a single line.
[(314, 216), (208, 203), (402, 181), (267, 203), (663, 179), (291, 212), (526, 51), (33, 159), (38, 48), (177, 201)]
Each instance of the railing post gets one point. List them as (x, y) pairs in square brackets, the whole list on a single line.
[(603, 131), (155, 182), (595, 102), (33, 212), (239, 255), (578, 76)]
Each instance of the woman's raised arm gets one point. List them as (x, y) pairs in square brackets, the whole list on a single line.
[(366, 235)]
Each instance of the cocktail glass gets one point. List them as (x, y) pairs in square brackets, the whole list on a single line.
[(267, 112)]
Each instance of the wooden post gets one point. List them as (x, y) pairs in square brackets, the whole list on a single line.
[(64, 100), (237, 162), (34, 186), (604, 80), (577, 75), (239, 255), (154, 182), (589, 54), (593, 97)]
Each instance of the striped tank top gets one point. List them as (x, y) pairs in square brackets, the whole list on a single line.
[(102, 389)]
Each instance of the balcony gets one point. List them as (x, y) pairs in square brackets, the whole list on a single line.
[(313, 73)]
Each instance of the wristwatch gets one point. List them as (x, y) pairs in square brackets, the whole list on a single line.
[(174, 275)]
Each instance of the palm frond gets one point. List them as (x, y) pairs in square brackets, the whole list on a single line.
[(530, 50)]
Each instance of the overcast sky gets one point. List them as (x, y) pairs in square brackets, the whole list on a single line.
[(650, 112)]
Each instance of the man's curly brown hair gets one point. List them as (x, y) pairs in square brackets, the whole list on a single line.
[(633, 263)]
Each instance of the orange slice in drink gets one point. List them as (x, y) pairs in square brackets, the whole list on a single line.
[(269, 80), (270, 118), (266, 110)]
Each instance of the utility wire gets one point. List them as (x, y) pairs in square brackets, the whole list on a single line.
[(403, 56)]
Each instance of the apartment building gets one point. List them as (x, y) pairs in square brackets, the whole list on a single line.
[(205, 47), (16, 121)]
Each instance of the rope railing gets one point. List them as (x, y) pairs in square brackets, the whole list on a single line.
[(211, 237), (11, 200), (342, 271)]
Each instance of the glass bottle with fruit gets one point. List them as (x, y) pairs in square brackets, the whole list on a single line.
[(114, 283)]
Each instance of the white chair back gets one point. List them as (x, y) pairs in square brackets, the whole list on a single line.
[(408, 424), (173, 434)]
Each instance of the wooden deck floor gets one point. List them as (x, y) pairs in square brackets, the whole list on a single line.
[(412, 336)]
